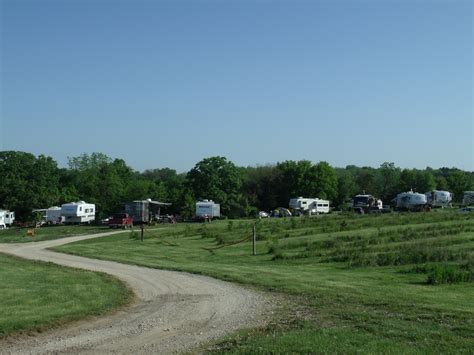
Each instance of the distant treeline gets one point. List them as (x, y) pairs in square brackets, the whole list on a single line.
[(28, 182)]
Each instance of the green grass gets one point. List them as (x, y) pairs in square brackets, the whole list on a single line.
[(19, 235), (364, 279), (37, 295)]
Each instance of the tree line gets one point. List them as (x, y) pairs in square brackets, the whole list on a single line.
[(29, 182)]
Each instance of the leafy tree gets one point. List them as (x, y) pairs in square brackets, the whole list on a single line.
[(220, 180)]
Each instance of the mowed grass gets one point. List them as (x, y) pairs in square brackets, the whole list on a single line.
[(19, 235), (355, 283), (37, 295)]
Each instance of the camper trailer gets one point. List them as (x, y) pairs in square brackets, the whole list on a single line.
[(364, 203), (78, 212), (207, 209), (437, 198), (6, 218), (411, 201), (143, 211), (309, 205), (468, 199), (53, 215)]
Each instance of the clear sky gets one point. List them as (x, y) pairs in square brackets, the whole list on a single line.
[(167, 83)]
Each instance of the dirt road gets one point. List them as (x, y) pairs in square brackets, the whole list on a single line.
[(174, 311)]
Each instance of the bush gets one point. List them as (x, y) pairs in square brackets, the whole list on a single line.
[(448, 274)]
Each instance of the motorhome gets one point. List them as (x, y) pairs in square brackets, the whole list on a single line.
[(309, 205), (441, 199), (208, 209), (78, 212), (411, 201)]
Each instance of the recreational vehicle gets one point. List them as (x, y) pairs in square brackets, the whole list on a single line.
[(468, 198), (207, 209), (410, 201), (365, 203), (53, 215), (437, 198), (6, 218), (309, 205), (78, 212), (142, 211)]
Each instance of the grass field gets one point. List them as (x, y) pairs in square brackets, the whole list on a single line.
[(19, 235), (37, 295), (386, 283)]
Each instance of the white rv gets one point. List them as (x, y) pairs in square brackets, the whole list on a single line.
[(410, 201), (208, 208), (78, 212), (6, 218), (441, 199), (309, 205)]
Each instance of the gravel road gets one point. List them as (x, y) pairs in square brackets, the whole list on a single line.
[(173, 311)]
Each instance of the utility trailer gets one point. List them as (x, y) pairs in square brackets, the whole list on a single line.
[(78, 212), (309, 205)]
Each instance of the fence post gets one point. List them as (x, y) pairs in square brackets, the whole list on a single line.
[(141, 238), (254, 240)]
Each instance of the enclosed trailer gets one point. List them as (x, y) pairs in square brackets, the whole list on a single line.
[(437, 198), (78, 212), (143, 211), (309, 205), (208, 209)]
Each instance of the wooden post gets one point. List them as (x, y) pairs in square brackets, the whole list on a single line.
[(254, 240), (141, 238)]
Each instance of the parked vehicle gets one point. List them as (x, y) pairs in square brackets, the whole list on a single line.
[(441, 199), (53, 215), (263, 214), (362, 203), (207, 209), (281, 212), (6, 218), (78, 212), (411, 201), (310, 206), (468, 198), (143, 211), (121, 220)]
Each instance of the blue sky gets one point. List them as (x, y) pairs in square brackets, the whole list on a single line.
[(167, 83)]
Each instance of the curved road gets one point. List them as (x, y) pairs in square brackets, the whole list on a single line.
[(173, 312)]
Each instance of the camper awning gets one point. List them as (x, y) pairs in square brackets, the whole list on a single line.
[(158, 203)]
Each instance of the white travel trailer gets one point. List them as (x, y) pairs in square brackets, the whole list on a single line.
[(437, 198), (78, 212), (468, 198), (208, 208), (309, 205), (410, 201), (6, 218)]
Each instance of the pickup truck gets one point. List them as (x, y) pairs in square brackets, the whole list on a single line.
[(121, 220)]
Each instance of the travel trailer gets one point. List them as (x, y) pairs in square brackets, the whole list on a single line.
[(411, 201), (208, 209), (365, 202), (6, 218), (142, 211), (53, 215), (468, 198), (437, 198), (78, 212), (309, 205)]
